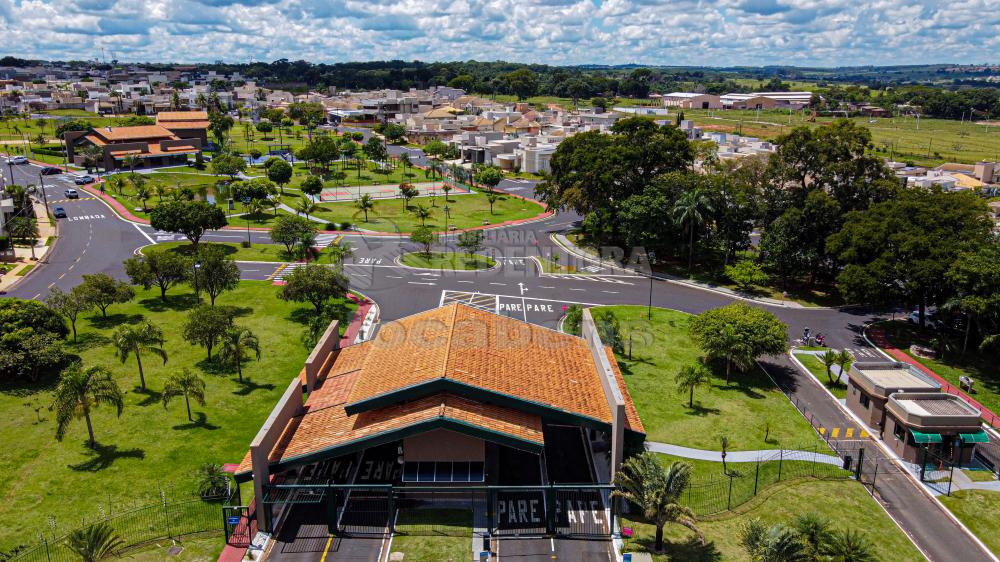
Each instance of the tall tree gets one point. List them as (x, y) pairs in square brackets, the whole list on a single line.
[(102, 290), (135, 340), (365, 204), (187, 385), (79, 392), (236, 342), (278, 171), (218, 272), (690, 211), (657, 491), (206, 324), (691, 376), (162, 268), (739, 334), (190, 218), (69, 304), (315, 284), (900, 250)]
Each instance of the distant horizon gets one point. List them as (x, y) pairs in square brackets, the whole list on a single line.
[(703, 33)]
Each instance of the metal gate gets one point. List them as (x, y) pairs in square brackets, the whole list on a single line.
[(240, 525), (365, 511)]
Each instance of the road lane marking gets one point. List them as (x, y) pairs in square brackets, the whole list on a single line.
[(610, 292), (501, 284), (420, 283), (61, 276), (395, 276), (326, 548), (578, 289), (141, 231)]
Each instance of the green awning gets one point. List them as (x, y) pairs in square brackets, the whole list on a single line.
[(977, 437), (926, 437)]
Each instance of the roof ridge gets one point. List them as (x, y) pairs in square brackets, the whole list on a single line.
[(447, 348)]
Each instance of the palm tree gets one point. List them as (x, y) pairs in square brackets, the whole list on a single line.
[(446, 188), (435, 168), (829, 359), (850, 546), (657, 491), (404, 159), (776, 543), (306, 206), (94, 543), (814, 531), (492, 198), (365, 203), (844, 361), (92, 156), (213, 480), (340, 251), (689, 211), (131, 161), (724, 450), (116, 183), (691, 376), (188, 385), (81, 391), (235, 343), (137, 340), (423, 213)]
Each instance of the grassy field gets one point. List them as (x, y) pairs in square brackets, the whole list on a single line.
[(447, 260), (935, 142), (845, 503), (257, 252), (204, 547), (150, 447), (24, 270), (465, 211), (740, 410), (818, 370), (978, 510), (449, 538), (371, 174), (981, 367)]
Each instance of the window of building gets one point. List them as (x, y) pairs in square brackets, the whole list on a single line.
[(446, 471), (899, 431), (865, 401)]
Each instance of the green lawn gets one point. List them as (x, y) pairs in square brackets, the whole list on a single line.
[(466, 211), (981, 367), (149, 447), (24, 270), (980, 475), (434, 535), (447, 260), (818, 370), (978, 510), (845, 503), (257, 252), (740, 410), (204, 547), (371, 174)]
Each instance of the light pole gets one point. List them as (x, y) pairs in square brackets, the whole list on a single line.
[(45, 198), (651, 258), (447, 218), (197, 289), (246, 203)]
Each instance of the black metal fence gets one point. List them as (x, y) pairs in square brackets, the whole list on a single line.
[(167, 518), (743, 481)]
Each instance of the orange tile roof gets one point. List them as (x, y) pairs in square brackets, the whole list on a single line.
[(488, 351), (325, 428), (632, 419), (155, 150), (172, 125), (139, 132)]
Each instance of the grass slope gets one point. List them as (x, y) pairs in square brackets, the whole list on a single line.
[(149, 447), (739, 410), (977, 509), (845, 503)]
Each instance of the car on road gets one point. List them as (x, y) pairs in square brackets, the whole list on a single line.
[(72, 194), (930, 318), (59, 213), (51, 171), (83, 180), (18, 160)]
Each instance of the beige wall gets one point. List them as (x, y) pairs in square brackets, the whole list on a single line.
[(872, 415), (443, 445)]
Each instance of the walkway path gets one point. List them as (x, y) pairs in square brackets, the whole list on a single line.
[(736, 456)]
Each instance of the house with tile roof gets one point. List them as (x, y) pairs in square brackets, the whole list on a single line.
[(455, 396), (152, 145)]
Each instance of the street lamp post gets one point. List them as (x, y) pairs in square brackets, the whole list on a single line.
[(197, 288), (246, 203), (651, 257), (447, 218), (45, 198)]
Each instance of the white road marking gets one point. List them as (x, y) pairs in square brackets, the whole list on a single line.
[(545, 287), (466, 281), (578, 289), (420, 283), (143, 232), (610, 292), (501, 284), (397, 277)]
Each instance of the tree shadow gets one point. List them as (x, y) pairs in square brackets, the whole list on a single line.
[(103, 456), (302, 315), (200, 422), (248, 386), (183, 301), (214, 366), (689, 550), (88, 340), (152, 396), (240, 311), (114, 320), (702, 411)]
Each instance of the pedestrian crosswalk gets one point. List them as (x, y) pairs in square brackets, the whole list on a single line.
[(592, 268), (481, 301), (282, 271), (595, 278), (324, 240)]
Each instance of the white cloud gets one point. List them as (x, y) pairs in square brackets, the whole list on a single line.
[(679, 32)]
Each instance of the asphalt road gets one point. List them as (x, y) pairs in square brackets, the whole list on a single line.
[(93, 239)]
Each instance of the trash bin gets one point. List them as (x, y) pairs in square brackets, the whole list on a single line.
[(848, 460)]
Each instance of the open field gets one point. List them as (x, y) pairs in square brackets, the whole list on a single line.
[(150, 447), (740, 410), (935, 141), (846, 504)]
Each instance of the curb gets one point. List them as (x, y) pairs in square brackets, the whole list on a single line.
[(398, 260)]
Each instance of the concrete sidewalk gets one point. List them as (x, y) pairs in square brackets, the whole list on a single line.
[(738, 456), (46, 229)]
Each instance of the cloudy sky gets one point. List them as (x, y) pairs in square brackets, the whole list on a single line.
[(677, 32)]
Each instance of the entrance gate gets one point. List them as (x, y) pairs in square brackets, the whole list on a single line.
[(570, 511)]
